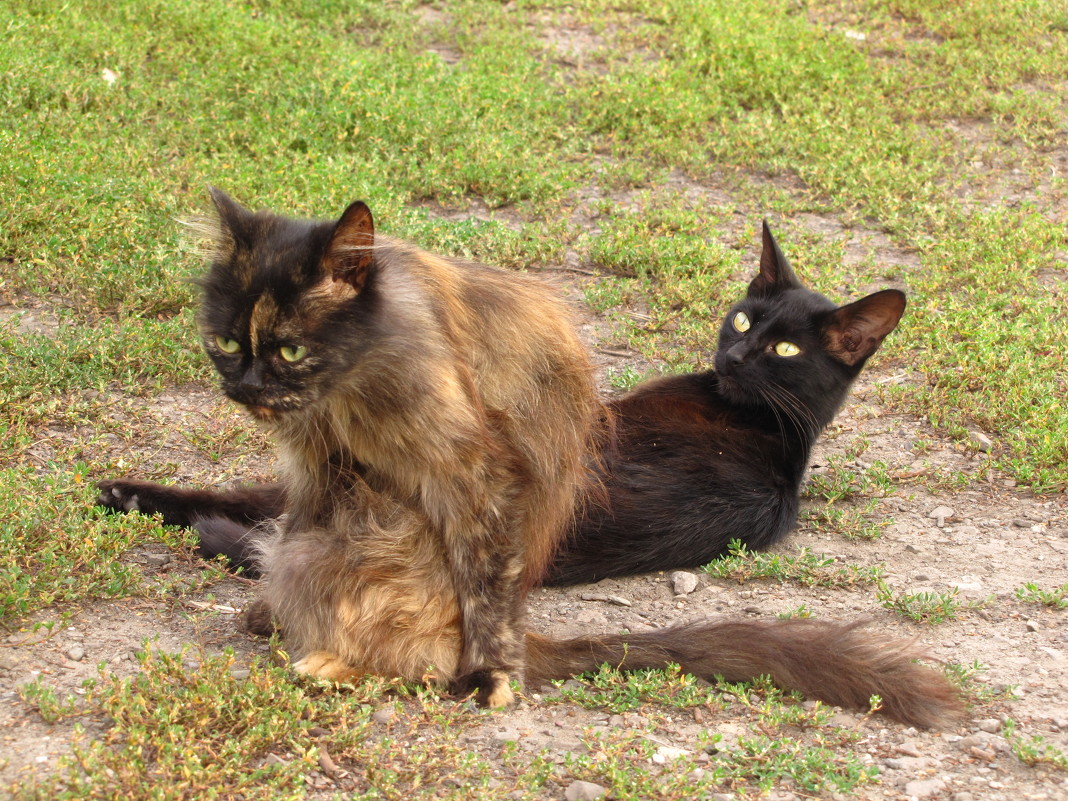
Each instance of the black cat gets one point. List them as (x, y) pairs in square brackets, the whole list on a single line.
[(699, 460)]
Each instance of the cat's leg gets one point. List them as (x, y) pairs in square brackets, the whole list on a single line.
[(486, 561), (228, 522), (181, 506)]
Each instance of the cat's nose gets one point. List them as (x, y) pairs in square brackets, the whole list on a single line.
[(735, 356), (253, 379)]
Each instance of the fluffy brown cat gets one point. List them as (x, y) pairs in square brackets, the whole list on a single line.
[(437, 425)]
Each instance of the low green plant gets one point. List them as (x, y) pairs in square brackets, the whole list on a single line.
[(807, 568), (923, 607), (1034, 749), (1057, 598)]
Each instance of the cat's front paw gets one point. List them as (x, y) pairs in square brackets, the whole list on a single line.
[(328, 666), (491, 688), (120, 495)]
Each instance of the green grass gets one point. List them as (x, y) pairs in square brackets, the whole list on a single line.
[(652, 156), (807, 568)]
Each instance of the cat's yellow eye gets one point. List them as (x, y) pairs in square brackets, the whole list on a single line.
[(787, 349), (227, 345), (741, 322), (293, 354)]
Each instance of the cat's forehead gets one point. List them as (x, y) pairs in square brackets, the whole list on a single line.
[(796, 306), (274, 253)]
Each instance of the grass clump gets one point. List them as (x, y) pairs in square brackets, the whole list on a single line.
[(807, 569)]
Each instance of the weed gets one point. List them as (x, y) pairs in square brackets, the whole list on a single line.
[(807, 569)]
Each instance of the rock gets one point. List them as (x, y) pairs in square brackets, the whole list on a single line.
[(157, 559), (384, 715), (683, 582), (668, 753), (991, 725), (1020, 522), (505, 736), (924, 788), (240, 674), (981, 442), (584, 791), (1032, 625), (939, 515), (75, 653)]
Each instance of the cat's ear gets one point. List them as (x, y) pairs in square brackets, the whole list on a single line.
[(350, 252), (232, 214), (854, 332), (775, 271)]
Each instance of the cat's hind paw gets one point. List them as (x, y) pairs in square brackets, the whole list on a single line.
[(328, 666)]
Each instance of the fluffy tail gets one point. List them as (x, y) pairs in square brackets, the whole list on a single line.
[(838, 663)]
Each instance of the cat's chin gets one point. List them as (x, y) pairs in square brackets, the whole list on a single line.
[(263, 413), (733, 391)]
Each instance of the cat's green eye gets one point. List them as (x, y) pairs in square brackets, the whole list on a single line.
[(741, 322), (787, 349), (293, 354), (227, 345)]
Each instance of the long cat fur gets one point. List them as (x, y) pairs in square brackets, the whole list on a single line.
[(430, 481)]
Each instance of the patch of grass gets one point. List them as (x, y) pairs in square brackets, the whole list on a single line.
[(1057, 598), (923, 607), (807, 569), (849, 521), (55, 549), (968, 681), (1034, 749), (616, 691)]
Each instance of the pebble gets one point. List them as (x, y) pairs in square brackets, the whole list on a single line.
[(584, 791), (981, 442), (240, 674), (505, 736), (667, 753), (157, 559), (924, 788), (683, 582), (1032, 625), (75, 653), (384, 715), (1019, 522), (991, 725)]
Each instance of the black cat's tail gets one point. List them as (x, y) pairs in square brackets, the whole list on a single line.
[(842, 664)]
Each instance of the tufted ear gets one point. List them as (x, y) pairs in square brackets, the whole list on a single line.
[(232, 215), (775, 272), (350, 252), (854, 332)]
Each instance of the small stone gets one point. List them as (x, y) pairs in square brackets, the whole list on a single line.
[(384, 715), (991, 725), (1020, 522), (618, 601), (668, 753), (505, 736), (981, 442), (683, 582), (240, 674), (912, 548), (909, 749), (75, 653), (924, 788), (584, 791), (1032, 625), (939, 515), (157, 559)]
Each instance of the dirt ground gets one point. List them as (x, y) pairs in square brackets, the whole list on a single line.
[(990, 539)]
